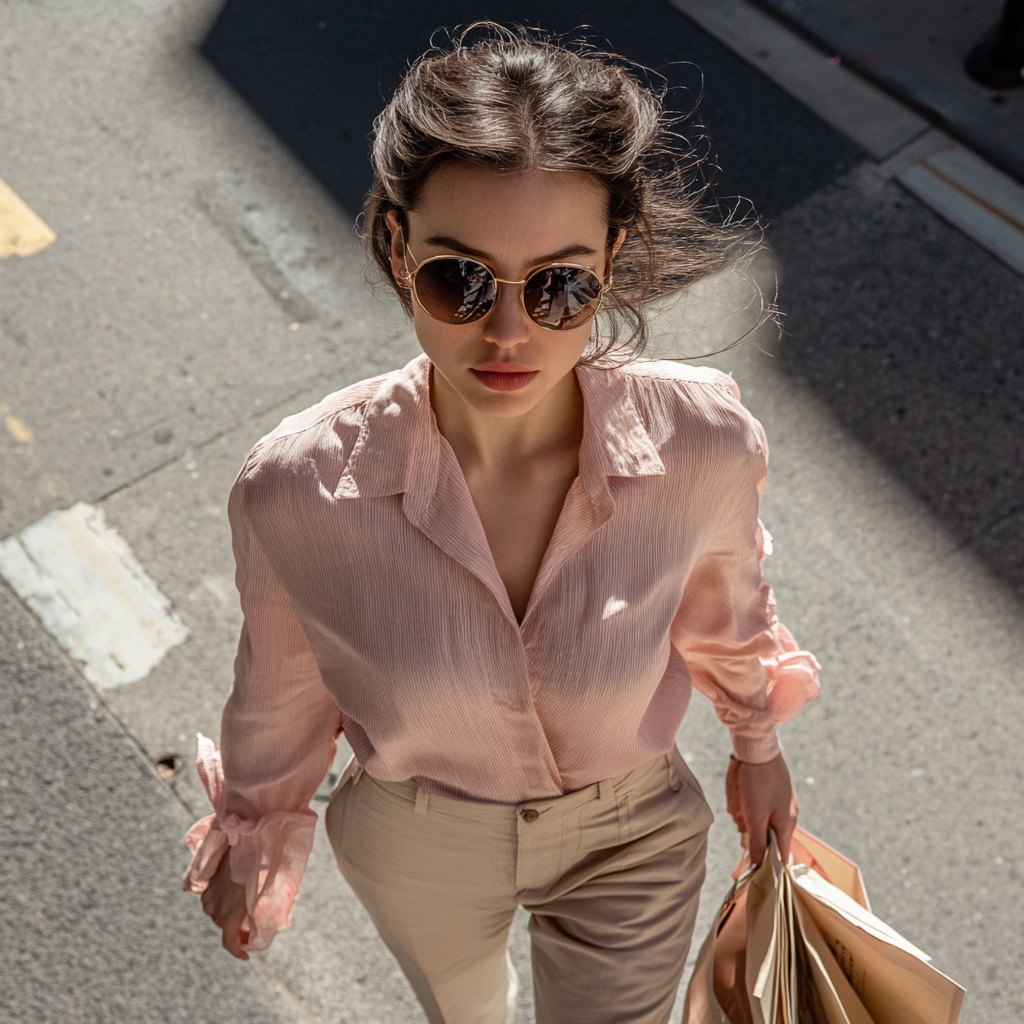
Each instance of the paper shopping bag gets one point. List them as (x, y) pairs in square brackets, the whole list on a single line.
[(791, 974), (717, 991), (790, 947), (723, 957), (829, 864), (894, 979)]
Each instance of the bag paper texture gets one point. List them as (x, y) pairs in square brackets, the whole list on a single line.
[(798, 944)]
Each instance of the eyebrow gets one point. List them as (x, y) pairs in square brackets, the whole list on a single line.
[(447, 242)]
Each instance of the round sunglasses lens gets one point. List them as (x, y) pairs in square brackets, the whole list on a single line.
[(562, 297), (455, 291)]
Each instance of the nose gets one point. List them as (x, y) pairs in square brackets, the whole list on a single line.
[(507, 325)]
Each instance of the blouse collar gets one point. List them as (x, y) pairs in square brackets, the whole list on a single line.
[(399, 448)]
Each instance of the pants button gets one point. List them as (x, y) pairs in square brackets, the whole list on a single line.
[(530, 814)]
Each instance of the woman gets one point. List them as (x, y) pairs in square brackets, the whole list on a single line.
[(500, 569)]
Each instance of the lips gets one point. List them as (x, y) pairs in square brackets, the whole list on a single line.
[(504, 377)]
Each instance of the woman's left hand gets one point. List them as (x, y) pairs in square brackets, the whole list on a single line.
[(759, 797)]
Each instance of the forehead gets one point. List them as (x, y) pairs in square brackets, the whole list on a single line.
[(488, 209)]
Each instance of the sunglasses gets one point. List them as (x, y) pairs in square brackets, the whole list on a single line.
[(457, 290)]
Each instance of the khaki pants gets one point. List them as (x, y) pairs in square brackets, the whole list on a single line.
[(611, 876)]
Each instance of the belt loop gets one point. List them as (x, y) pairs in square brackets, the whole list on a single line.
[(357, 775), (422, 799), (604, 789), (350, 773)]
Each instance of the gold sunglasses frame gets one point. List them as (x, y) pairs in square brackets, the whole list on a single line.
[(409, 281)]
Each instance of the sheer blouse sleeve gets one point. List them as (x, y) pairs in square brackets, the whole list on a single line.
[(738, 653), (278, 734)]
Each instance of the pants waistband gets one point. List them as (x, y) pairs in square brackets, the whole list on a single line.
[(410, 791)]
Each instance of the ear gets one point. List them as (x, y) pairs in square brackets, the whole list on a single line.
[(398, 267), (619, 239)]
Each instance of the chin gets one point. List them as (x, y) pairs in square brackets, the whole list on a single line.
[(503, 404)]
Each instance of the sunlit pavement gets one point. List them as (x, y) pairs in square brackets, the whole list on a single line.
[(202, 285)]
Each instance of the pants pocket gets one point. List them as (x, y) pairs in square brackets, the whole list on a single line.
[(682, 780), (334, 815)]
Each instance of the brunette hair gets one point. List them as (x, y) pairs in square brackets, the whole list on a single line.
[(516, 101)]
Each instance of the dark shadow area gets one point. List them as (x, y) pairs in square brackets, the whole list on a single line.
[(317, 72), (914, 336), (916, 50), (909, 331)]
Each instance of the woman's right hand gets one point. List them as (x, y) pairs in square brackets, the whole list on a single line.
[(224, 901)]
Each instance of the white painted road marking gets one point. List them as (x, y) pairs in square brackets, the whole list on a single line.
[(959, 185), (868, 115), (983, 202), (80, 577), (22, 231)]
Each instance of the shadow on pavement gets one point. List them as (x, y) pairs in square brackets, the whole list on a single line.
[(914, 336), (916, 49), (909, 331), (318, 71)]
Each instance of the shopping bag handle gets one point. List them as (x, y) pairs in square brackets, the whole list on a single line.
[(745, 867)]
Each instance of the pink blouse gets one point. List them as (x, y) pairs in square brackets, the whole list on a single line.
[(372, 604)]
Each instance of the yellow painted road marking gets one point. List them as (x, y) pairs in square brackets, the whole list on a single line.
[(18, 429), (22, 231)]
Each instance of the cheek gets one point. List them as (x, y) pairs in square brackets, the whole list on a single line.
[(441, 341), (567, 346)]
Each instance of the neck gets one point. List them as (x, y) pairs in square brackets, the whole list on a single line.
[(491, 442)]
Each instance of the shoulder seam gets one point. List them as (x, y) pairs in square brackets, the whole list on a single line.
[(276, 436)]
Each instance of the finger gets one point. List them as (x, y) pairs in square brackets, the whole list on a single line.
[(234, 937), (733, 804), (758, 842), (734, 807), (784, 826), (732, 801), (233, 922)]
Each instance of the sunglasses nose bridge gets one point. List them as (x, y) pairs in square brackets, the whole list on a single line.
[(520, 292), (505, 334)]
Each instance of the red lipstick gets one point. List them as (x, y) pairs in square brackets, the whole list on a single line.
[(504, 376)]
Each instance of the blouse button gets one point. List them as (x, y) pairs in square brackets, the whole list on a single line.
[(530, 814)]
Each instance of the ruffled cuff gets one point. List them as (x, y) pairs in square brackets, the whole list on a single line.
[(792, 683), (268, 855), (792, 677)]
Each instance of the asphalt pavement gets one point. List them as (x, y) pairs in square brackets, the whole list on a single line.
[(92, 927), (200, 165)]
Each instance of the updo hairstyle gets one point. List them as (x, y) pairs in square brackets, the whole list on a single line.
[(517, 102)]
